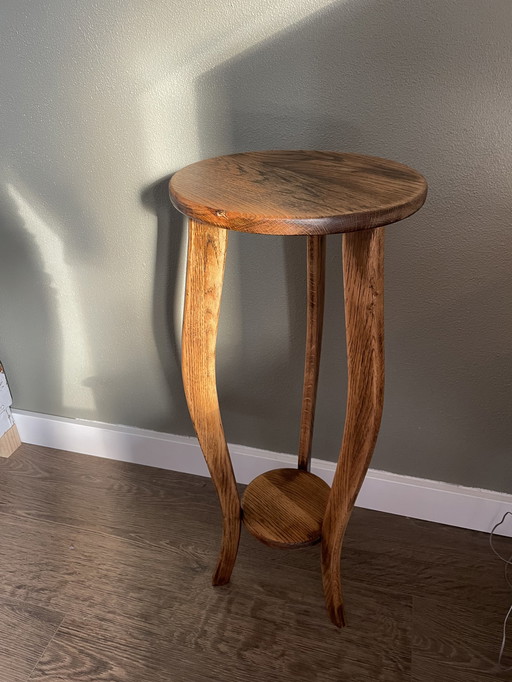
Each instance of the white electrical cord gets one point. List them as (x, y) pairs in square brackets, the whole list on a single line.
[(507, 562)]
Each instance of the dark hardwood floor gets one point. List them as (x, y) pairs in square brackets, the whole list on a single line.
[(105, 574)]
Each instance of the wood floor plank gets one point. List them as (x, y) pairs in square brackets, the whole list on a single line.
[(126, 552), (109, 647), (235, 634), (126, 500), (25, 632), (68, 569), (442, 671), (153, 507), (269, 619), (454, 642)]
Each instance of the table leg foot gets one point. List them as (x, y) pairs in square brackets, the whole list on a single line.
[(332, 583), (228, 551)]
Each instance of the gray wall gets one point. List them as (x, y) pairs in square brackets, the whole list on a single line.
[(101, 101)]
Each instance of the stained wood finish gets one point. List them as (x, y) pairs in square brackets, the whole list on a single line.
[(285, 507), (315, 316), (297, 192), (363, 277), (205, 272)]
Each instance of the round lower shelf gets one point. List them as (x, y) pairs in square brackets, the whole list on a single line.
[(285, 507)]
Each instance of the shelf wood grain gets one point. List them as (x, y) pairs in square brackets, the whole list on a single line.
[(285, 507)]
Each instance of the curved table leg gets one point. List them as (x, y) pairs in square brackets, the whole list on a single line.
[(363, 256), (205, 272), (315, 316)]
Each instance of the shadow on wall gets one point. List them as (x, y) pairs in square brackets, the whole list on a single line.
[(404, 80), (168, 293)]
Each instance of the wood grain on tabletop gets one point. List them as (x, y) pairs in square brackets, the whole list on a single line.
[(297, 192)]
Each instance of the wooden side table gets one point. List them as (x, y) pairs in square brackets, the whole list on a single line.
[(314, 194)]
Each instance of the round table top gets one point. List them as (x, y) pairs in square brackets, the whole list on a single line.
[(297, 192)]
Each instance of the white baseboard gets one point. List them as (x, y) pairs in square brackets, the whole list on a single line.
[(418, 498)]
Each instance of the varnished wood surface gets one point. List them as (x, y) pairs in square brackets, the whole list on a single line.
[(314, 323), (205, 273), (363, 281), (285, 507), (104, 578), (303, 193), (297, 192)]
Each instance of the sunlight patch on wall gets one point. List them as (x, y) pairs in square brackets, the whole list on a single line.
[(76, 360)]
